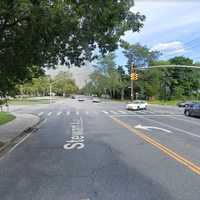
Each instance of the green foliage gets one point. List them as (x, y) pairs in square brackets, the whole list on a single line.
[(138, 55), (63, 84), (180, 60), (42, 33)]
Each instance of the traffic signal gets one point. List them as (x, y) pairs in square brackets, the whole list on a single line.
[(134, 76)]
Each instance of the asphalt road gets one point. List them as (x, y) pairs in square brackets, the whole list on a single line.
[(87, 151)]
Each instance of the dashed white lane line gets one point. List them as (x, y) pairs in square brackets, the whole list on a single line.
[(113, 112), (77, 113), (105, 112), (123, 112), (49, 114), (59, 113), (87, 113), (41, 113), (68, 113)]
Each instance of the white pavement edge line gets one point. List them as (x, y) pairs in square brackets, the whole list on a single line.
[(172, 127), (22, 140), (138, 115), (113, 112)]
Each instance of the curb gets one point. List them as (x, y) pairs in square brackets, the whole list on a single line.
[(19, 137)]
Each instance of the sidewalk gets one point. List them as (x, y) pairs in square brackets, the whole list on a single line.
[(10, 131)]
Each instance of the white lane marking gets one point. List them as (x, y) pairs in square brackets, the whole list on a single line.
[(59, 113), (149, 112), (68, 113), (139, 126), (120, 111), (87, 113), (23, 139), (187, 120), (113, 112), (140, 112), (77, 113), (172, 127), (49, 114), (41, 113), (138, 115), (105, 112)]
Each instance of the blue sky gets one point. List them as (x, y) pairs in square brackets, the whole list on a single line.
[(171, 26)]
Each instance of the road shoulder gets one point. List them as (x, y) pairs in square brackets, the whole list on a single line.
[(16, 129)]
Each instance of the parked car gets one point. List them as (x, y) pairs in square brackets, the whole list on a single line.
[(184, 103), (192, 110), (73, 97), (137, 105), (96, 100)]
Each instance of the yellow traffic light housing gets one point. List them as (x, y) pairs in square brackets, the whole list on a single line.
[(134, 76)]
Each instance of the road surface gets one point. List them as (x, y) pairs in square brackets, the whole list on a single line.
[(88, 151)]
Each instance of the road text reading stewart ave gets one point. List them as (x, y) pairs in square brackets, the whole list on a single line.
[(77, 138)]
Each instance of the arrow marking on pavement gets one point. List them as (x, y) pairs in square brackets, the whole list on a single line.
[(152, 127)]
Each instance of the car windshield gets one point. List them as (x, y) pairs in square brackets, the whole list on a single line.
[(99, 99)]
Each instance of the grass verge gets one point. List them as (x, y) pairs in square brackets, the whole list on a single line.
[(169, 103), (6, 117), (28, 101)]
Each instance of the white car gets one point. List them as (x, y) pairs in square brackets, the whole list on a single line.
[(137, 105)]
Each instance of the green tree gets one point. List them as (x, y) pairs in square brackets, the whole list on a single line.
[(138, 55), (43, 33), (63, 84)]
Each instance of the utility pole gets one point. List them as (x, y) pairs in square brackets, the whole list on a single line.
[(50, 89)]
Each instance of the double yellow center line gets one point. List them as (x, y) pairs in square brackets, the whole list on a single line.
[(193, 167)]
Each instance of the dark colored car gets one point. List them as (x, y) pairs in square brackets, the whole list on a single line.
[(184, 103), (192, 110)]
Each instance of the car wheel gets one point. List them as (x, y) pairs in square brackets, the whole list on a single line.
[(187, 113)]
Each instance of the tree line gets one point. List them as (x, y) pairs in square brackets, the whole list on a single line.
[(61, 85), (155, 83)]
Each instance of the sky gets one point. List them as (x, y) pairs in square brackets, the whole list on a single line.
[(171, 26)]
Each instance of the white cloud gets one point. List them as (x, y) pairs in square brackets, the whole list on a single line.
[(170, 47)]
